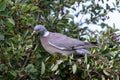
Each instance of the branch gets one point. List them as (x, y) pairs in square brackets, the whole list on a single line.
[(29, 52)]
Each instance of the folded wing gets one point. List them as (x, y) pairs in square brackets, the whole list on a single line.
[(63, 42)]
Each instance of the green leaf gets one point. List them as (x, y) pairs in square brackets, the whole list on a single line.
[(117, 2), (55, 67), (106, 73), (2, 37), (105, 51), (103, 25), (86, 60), (50, 17), (111, 9), (11, 21), (3, 13), (59, 62), (74, 68), (1, 22), (42, 68), (103, 77), (88, 66), (107, 6), (13, 73), (2, 67), (69, 16), (2, 6), (30, 68), (118, 77), (25, 8), (34, 8), (10, 2)]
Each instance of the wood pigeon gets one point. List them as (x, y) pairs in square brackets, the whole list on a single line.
[(56, 43)]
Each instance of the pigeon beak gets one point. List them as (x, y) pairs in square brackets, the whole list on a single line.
[(33, 33)]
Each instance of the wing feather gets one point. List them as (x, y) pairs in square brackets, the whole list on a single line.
[(63, 42)]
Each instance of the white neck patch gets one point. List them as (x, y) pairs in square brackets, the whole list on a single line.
[(46, 34)]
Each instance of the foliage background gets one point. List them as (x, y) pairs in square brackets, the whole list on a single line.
[(22, 57)]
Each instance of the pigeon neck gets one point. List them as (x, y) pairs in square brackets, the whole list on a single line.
[(46, 33)]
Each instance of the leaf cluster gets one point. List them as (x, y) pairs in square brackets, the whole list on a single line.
[(23, 58)]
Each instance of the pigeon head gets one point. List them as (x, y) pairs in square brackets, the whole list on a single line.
[(41, 30)]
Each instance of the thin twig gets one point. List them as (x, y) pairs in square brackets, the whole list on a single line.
[(29, 52), (27, 58), (25, 62)]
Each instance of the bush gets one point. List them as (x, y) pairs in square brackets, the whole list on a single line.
[(22, 56)]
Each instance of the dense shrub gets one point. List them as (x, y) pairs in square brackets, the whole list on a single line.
[(22, 56)]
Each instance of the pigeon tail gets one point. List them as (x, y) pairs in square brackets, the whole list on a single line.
[(83, 52)]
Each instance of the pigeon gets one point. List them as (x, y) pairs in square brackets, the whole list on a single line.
[(57, 43)]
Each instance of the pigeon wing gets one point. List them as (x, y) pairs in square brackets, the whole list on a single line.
[(63, 42)]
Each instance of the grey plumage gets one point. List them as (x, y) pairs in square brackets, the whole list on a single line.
[(56, 43)]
